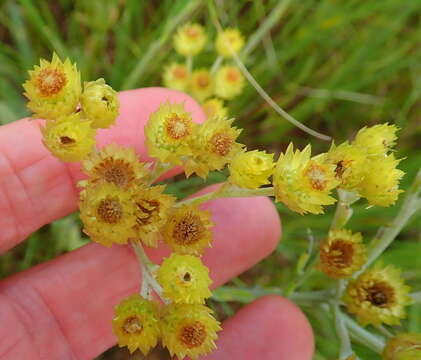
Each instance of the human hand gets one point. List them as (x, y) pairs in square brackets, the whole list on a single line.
[(63, 309)]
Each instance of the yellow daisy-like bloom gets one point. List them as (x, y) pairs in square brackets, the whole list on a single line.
[(100, 103), (214, 146), (169, 132), (184, 279), (349, 161), (251, 169), (229, 40), (116, 165), (381, 181), (151, 212), (201, 84), (189, 330), (190, 39), (215, 107), (376, 140), (187, 230), (229, 82), (378, 296), (107, 213), (176, 77), (303, 183), (136, 324), (342, 253), (53, 88), (69, 138), (406, 346)]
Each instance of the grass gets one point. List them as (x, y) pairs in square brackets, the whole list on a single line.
[(336, 66)]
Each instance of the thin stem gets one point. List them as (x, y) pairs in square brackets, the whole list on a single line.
[(410, 205), (343, 209), (216, 64), (416, 297), (189, 64)]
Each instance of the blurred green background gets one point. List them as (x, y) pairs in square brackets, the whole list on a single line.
[(334, 65)]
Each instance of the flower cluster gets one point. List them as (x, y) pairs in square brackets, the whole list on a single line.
[(209, 86)]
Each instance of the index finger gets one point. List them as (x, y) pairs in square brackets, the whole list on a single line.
[(36, 188)]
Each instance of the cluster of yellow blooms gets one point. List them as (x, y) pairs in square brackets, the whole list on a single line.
[(208, 86), (119, 203)]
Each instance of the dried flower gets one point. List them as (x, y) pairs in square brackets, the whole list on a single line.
[(176, 77), (201, 84), (229, 82), (215, 107), (190, 39), (406, 346), (228, 41)]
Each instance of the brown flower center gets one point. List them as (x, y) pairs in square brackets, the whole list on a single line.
[(316, 176), (232, 76), (177, 127), (380, 294), (203, 81), (50, 81), (221, 144), (146, 211), (340, 254), (110, 211), (188, 230), (192, 32), (117, 172), (132, 325), (187, 277), (193, 335), (180, 73), (65, 140)]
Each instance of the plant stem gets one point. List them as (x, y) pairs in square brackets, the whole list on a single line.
[(343, 209), (410, 205), (416, 297), (189, 64), (216, 64)]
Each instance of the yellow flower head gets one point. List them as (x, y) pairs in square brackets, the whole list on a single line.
[(100, 103), (251, 169), (303, 183), (107, 213), (151, 212), (229, 82), (184, 279), (168, 133), (116, 165), (176, 77), (215, 107), (201, 84), (187, 230), (229, 40), (381, 182), (349, 161), (214, 146), (406, 346), (69, 138), (341, 254), (378, 296), (136, 324), (376, 140), (190, 39), (53, 88), (189, 330)]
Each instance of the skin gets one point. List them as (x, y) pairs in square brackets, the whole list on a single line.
[(62, 309)]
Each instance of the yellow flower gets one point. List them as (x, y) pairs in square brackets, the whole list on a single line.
[(190, 39), (229, 40), (201, 84), (189, 330), (168, 133), (100, 103), (381, 182), (303, 183), (187, 230), (342, 253), (176, 77), (184, 279), (251, 169), (349, 161), (378, 296), (53, 88), (115, 164), (69, 138), (214, 146), (151, 212), (215, 107), (107, 213), (376, 140), (229, 82), (136, 324), (406, 346)]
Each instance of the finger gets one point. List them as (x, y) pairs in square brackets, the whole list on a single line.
[(65, 306), (270, 328), (36, 188)]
